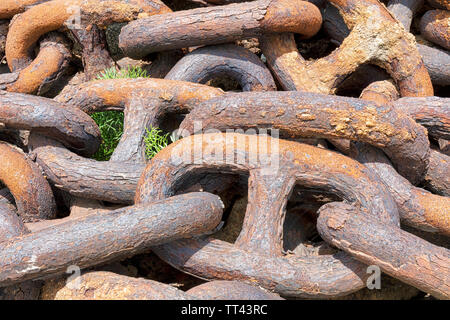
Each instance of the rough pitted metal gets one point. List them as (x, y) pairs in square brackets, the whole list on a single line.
[(257, 254), (207, 63), (409, 258), (74, 128), (375, 37), (100, 237), (23, 178), (216, 25), (303, 114)]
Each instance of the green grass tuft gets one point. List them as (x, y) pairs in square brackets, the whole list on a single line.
[(130, 72), (110, 124), (155, 140)]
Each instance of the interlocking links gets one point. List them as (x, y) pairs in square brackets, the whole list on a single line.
[(45, 70), (436, 60), (435, 27), (434, 114), (32, 193), (97, 238), (426, 214), (216, 25), (12, 226), (394, 50), (431, 112), (207, 63), (257, 254), (26, 29), (397, 252), (74, 128), (112, 181), (418, 208), (103, 285), (145, 103), (93, 41), (303, 114)]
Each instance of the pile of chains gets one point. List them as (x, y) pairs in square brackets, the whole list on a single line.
[(332, 161)]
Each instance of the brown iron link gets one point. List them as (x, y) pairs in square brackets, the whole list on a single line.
[(107, 236), (207, 63), (257, 254), (12, 226), (302, 114), (31, 191), (436, 60), (67, 124), (394, 50), (31, 75), (239, 214), (435, 27), (409, 258), (145, 102), (221, 24), (106, 285)]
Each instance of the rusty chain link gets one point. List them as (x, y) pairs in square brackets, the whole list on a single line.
[(334, 158)]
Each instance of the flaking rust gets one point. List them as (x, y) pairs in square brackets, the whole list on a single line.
[(315, 115), (106, 285), (107, 236), (221, 24), (394, 50), (261, 235), (31, 191), (256, 216)]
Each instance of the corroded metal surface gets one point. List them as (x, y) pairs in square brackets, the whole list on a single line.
[(409, 258), (145, 103), (436, 60), (207, 63), (254, 215), (441, 4), (418, 208), (404, 10), (427, 213), (257, 253), (104, 237), (230, 290), (435, 27), (12, 226), (431, 112), (103, 285), (9, 8), (31, 191), (395, 51), (68, 124), (46, 69), (112, 181), (302, 114), (29, 26), (221, 24)]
